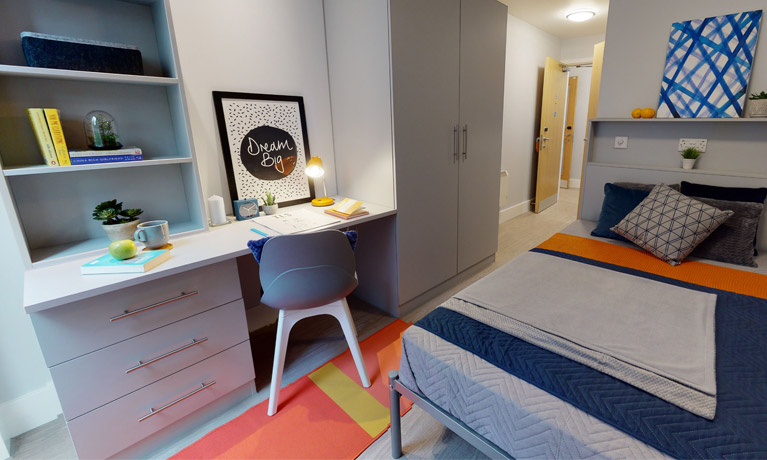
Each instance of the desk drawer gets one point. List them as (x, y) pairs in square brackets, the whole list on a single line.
[(75, 329), (97, 378), (116, 426)]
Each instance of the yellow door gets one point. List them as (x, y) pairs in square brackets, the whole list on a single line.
[(552, 124), (567, 155)]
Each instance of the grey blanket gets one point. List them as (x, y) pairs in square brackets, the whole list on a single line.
[(657, 337)]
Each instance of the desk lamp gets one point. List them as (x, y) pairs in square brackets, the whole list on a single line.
[(315, 169)]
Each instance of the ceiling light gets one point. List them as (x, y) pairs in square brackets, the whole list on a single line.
[(581, 15)]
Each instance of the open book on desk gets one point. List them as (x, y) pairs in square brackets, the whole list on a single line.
[(296, 221)]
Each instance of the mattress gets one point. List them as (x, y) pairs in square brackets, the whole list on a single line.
[(527, 419)]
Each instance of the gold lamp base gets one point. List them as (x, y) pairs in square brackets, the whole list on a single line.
[(325, 201)]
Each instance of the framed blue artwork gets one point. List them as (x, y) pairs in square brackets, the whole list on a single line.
[(708, 65)]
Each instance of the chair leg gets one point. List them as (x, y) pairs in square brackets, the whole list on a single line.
[(344, 317), (280, 347)]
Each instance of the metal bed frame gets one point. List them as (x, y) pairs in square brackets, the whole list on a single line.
[(397, 389)]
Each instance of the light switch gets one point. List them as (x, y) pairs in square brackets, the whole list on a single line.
[(621, 142)]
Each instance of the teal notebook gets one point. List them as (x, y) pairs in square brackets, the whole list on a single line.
[(140, 263)]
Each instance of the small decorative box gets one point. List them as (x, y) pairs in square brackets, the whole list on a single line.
[(51, 51)]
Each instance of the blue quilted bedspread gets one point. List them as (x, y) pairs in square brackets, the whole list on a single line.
[(739, 429)]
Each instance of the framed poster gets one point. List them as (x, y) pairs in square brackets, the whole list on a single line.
[(265, 146)]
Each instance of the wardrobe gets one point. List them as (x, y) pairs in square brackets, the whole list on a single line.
[(422, 81)]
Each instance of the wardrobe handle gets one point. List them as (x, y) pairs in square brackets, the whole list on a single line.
[(455, 143), (465, 141), (153, 411), (128, 313), (141, 364)]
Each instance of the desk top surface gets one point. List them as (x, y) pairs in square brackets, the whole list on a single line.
[(54, 285)]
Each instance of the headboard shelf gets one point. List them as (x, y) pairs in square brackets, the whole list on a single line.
[(685, 171)]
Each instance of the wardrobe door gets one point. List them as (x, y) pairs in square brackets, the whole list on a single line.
[(425, 69), (483, 60)]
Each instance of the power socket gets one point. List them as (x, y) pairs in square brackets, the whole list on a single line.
[(621, 142), (699, 144)]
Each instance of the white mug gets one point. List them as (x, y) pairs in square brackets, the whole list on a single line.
[(154, 234)]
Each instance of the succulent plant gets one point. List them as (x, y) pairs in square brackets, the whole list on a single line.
[(112, 213)]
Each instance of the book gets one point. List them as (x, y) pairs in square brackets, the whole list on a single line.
[(140, 263), (57, 135), (105, 153), (347, 206), (43, 136), (355, 214), (296, 221), (105, 159)]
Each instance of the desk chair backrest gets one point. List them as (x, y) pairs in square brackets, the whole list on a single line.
[(307, 270)]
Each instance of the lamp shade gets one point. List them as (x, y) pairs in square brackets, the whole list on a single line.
[(315, 168)]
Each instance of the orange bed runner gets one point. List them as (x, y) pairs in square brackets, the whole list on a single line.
[(325, 414), (700, 273)]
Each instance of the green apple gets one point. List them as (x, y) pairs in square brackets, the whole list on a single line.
[(122, 249)]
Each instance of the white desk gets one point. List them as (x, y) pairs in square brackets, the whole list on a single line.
[(50, 286), (137, 357)]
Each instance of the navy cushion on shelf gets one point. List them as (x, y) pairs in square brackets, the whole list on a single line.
[(618, 202)]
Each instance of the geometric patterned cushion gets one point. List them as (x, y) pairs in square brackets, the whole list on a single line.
[(669, 225)]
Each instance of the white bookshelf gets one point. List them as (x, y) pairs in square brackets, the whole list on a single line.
[(52, 205)]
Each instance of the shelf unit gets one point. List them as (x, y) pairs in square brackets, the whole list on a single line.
[(52, 205), (734, 157)]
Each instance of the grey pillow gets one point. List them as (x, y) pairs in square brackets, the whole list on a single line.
[(638, 186), (733, 241), (669, 225)]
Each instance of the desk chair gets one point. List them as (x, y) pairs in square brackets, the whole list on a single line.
[(307, 275)]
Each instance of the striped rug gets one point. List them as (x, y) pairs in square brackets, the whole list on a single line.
[(325, 414)]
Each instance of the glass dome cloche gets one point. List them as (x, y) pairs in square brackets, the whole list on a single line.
[(101, 131)]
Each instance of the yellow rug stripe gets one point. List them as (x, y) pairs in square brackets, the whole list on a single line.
[(363, 408)]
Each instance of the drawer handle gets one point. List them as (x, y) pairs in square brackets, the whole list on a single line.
[(128, 313), (153, 411), (154, 360)]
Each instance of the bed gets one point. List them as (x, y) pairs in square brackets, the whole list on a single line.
[(465, 363)]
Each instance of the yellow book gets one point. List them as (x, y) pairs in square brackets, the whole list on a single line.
[(43, 136), (347, 206), (57, 135)]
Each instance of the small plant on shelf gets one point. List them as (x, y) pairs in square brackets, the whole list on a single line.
[(757, 106), (118, 223), (270, 203), (689, 156), (691, 153)]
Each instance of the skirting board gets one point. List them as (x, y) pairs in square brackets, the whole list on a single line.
[(514, 211), (28, 411)]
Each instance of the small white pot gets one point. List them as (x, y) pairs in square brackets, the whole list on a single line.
[(688, 163), (117, 232), (269, 210), (757, 108)]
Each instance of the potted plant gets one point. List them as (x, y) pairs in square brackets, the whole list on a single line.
[(757, 105), (689, 156), (118, 223), (270, 205)]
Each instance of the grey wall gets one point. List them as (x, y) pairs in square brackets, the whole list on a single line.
[(526, 50), (635, 49)]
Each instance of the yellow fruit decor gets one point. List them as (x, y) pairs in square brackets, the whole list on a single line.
[(636, 113), (647, 112)]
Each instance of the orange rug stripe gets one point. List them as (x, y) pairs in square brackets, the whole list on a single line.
[(703, 274), (308, 423)]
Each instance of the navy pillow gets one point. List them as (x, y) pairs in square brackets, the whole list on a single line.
[(618, 202), (750, 195)]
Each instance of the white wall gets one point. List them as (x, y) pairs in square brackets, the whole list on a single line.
[(526, 50), (579, 125), (252, 46), (25, 383), (635, 48)]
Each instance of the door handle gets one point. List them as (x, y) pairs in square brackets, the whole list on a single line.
[(546, 139), (455, 143), (465, 141)]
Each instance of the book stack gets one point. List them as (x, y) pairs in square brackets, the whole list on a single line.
[(347, 209), (87, 157), (140, 263), (50, 137)]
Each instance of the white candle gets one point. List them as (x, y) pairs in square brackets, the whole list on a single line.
[(216, 210)]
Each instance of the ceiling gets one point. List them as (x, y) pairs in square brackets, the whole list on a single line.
[(549, 16)]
